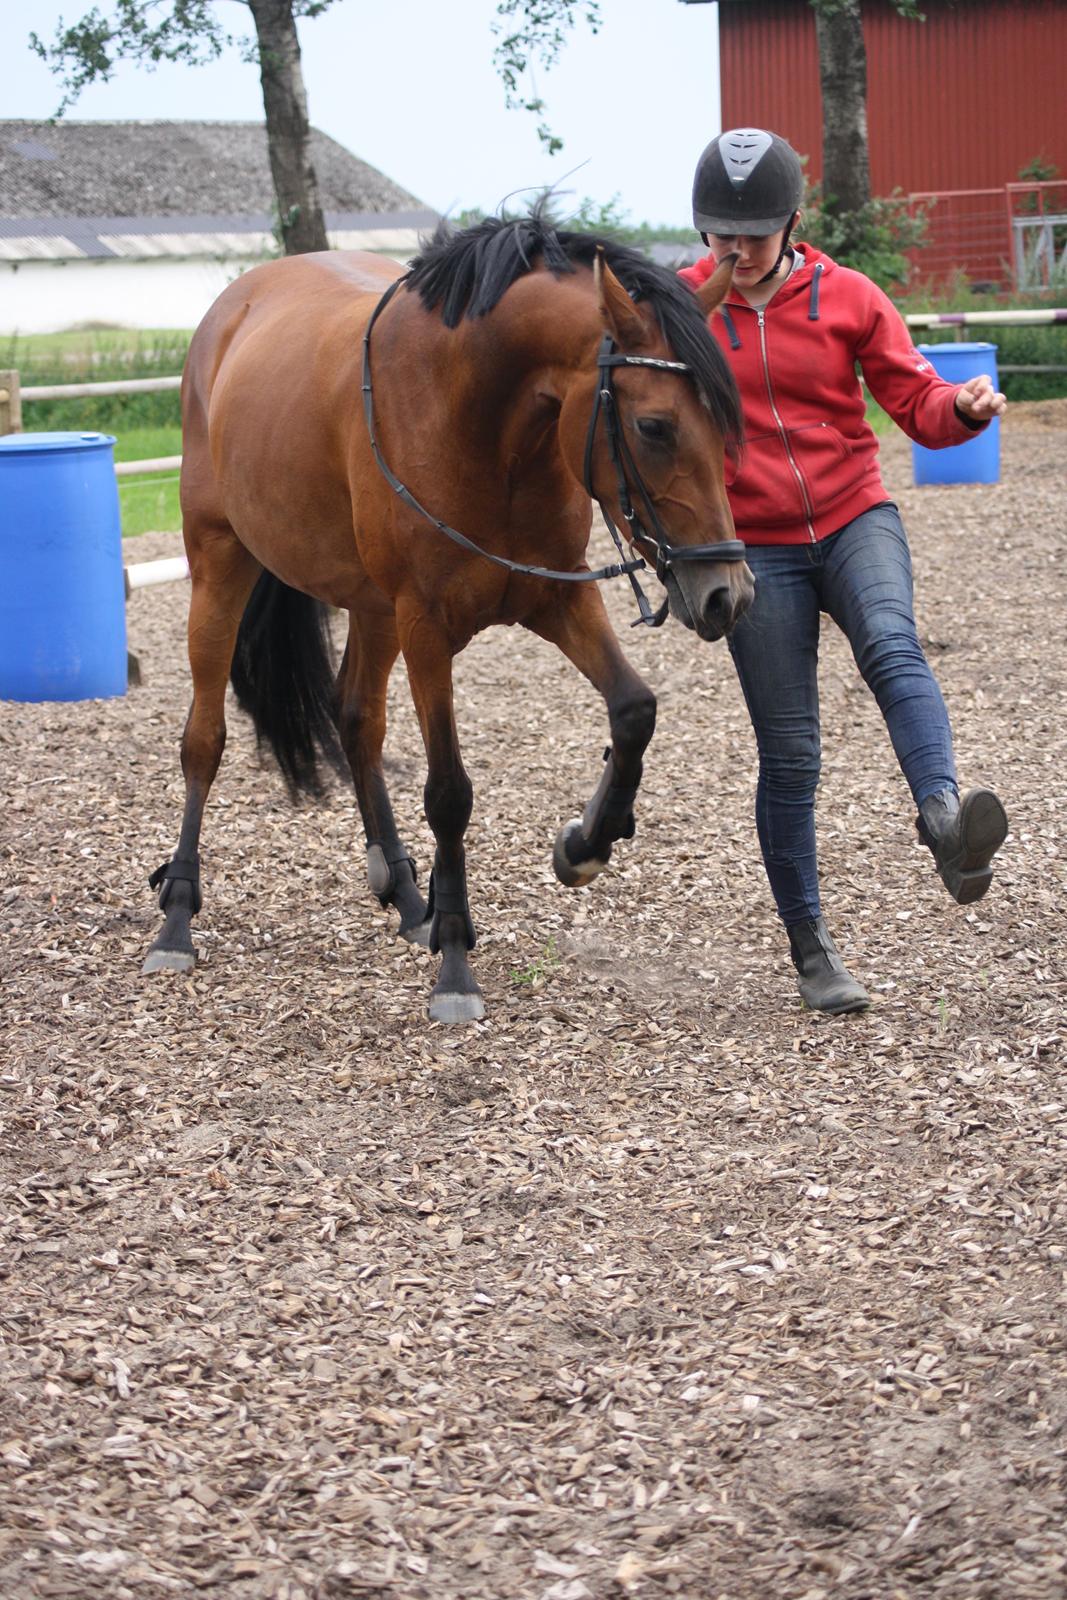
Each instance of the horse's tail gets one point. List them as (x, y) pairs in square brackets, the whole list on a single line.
[(283, 676)]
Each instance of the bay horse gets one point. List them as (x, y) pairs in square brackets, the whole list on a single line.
[(431, 486)]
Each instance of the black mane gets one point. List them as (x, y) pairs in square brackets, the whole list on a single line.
[(467, 273)]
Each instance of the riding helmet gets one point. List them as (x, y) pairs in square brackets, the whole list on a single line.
[(747, 181)]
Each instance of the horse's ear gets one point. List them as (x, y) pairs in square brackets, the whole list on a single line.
[(618, 313), (714, 290)]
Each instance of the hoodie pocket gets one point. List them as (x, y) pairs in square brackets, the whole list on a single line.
[(763, 490), (819, 443), (767, 490)]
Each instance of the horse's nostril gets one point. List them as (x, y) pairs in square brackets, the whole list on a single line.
[(718, 606)]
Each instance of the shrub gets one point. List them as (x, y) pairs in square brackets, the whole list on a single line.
[(873, 240)]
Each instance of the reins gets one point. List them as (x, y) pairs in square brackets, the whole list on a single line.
[(605, 403)]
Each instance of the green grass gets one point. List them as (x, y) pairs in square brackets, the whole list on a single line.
[(79, 351), (149, 504), (881, 422), (144, 444), (98, 355)]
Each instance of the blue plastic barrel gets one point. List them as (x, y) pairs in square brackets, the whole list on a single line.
[(62, 593), (977, 460)]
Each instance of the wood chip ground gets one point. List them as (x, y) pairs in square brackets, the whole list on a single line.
[(653, 1282)]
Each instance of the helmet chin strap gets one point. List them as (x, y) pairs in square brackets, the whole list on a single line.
[(790, 225)]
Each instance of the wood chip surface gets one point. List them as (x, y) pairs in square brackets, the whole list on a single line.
[(652, 1283)]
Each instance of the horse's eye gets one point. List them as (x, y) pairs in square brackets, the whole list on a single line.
[(655, 430)]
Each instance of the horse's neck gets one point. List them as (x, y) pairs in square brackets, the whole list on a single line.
[(528, 350)]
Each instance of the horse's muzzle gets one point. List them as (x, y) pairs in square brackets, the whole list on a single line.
[(703, 602)]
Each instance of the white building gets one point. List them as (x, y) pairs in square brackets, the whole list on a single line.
[(141, 224)]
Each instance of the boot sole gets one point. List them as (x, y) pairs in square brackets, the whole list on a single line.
[(983, 829), (850, 1008), (839, 1008)]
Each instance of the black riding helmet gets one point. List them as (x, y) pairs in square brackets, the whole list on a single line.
[(747, 181)]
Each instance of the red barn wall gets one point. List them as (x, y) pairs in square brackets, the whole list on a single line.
[(960, 101)]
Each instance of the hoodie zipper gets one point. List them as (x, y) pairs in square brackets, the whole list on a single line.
[(809, 510)]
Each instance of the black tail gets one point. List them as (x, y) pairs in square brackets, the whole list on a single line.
[(283, 676)]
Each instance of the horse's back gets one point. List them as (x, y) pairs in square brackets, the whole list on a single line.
[(294, 293)]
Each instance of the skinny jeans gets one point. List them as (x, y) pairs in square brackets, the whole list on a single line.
[(861, 577)]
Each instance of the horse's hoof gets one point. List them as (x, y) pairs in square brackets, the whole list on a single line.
[(570, 873), (169, 961), (456, 1007), (418, 933)]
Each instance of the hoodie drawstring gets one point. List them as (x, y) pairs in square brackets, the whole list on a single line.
[(813, 308), (813, 302), (731, 331)]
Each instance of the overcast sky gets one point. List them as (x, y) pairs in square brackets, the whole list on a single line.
[(409, 86)]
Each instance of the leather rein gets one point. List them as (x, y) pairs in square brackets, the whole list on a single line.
[(605, 404)]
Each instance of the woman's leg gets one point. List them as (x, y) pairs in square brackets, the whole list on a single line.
[(868, 592), (775, 647), (867, 589)]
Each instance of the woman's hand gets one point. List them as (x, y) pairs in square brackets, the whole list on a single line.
[(978, 401)]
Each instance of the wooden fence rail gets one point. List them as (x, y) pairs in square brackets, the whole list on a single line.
[(75, 391), (13, 396)]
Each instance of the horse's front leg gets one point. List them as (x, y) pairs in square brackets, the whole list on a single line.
[(578, 623), (448, 798)]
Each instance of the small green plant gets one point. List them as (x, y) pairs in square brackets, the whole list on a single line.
[(1038, 170), (873, 240), (541, 967)]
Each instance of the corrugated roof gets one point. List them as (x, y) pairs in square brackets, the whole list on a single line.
[(142, 238), (138, 190), (162, 169)]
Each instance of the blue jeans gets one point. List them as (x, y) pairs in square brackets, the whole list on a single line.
[(861, 577)]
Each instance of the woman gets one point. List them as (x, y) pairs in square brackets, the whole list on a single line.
[(823, 535)]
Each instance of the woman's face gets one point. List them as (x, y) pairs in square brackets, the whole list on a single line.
[(757, 254)]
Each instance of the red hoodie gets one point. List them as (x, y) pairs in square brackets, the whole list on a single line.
[(810, 461)]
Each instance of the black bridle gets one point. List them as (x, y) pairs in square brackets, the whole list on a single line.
[(667, 555), (605, 403)]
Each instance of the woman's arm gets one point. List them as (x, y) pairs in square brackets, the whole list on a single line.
[(931, 411)]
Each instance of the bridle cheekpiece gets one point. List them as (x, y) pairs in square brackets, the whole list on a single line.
[(667, 555)]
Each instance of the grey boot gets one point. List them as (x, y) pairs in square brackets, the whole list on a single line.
[(823, 979), (963, 836)]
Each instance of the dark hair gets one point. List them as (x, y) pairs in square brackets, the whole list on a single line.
[(467, 273)]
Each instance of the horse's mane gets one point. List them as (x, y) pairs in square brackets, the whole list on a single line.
[(467, 272)]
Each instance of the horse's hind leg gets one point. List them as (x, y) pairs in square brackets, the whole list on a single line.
[(361, 690), (578, 624), (223, 575)]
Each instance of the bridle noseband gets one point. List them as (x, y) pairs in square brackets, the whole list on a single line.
[(667, 555)]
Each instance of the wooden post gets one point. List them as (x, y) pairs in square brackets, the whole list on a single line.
[(10, 403)]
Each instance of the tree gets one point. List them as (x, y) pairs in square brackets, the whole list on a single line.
[(871, 235), (846, 171), (535, 29), (188, 31)]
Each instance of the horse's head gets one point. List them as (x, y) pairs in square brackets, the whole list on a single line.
[(655, 455)]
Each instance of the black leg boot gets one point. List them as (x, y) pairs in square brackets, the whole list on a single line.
[(963, 836), (823, 979)]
